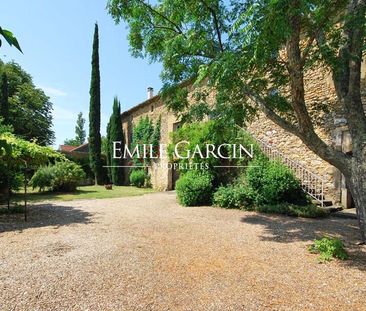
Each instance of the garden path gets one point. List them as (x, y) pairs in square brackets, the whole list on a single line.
[(149, 253)]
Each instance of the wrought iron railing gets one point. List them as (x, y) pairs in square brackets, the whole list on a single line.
[(311, 183)]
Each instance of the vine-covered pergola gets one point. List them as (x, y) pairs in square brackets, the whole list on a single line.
[(22, 156)]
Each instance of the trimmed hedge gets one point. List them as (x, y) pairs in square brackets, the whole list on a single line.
[(194, 188)]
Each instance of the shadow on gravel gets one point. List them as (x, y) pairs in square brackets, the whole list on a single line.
[(284, 229), (43, 215)]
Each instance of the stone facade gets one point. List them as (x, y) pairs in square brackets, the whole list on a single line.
[(161, 176), (330, 126), (319, 90)]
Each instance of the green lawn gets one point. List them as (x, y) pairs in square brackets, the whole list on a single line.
[(85, 192)]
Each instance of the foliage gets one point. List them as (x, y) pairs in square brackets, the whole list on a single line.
[(85, 165), (231, 46), (329, 248), (155, 138), (19, 155), (67, 175), (194, 188), (115, 134), (30, 111), (273, 182), (305, 211), (254, 56), (107, 151), (16, 154), (43, 178), (80, 134), (10, 38), (138, 178), (199, 134), (5, 148), (144, 133), (215, 133), (5, 128), (80, 130), (11, 178), (71, 142), (62, 176), (234, 196), (94, 113), (105, 145), (28, 153), (4, 98)]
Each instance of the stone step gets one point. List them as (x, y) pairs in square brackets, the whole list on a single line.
[(332, 209), (326, 203)]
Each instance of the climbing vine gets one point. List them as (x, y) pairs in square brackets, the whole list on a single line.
[(145, 132)]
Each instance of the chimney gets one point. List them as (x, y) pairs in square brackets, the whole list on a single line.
[(150, 92)]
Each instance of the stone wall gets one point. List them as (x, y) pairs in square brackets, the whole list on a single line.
[(330, 126), (161, 176)]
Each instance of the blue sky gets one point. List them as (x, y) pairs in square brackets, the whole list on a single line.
[(56, 38)]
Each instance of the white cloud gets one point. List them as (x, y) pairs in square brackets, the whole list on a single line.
[(50, 91), (60, 113)]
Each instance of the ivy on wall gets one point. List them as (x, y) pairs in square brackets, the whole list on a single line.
[(145, 132)]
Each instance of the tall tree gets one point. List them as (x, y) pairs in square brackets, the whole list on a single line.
[(255, 54), (30, 110), (94, 113), (4, 98), (80, 134), (114, 134), (79, 129), (107, 150)]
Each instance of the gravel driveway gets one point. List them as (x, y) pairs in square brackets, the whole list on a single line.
[(149, 253)]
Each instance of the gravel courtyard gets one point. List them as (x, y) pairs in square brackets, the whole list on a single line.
[(149, 253)]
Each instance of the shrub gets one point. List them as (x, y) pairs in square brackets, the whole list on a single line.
[(63, 176), (67, 175), (194, 188), (273, 182), (215, 132), (43, 178), (306, 211), (10, 179), (329, 248), (234, 196), (138, 178)]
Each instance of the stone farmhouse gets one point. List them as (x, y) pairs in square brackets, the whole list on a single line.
[(320, 179)]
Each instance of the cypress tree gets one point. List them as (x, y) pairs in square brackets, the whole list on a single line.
[(94, 113), (116, 134), (109, 151), (4, 98)]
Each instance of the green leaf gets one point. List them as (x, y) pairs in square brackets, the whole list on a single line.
[(10, 38)]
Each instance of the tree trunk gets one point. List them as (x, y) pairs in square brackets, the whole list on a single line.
[(357, 183)]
